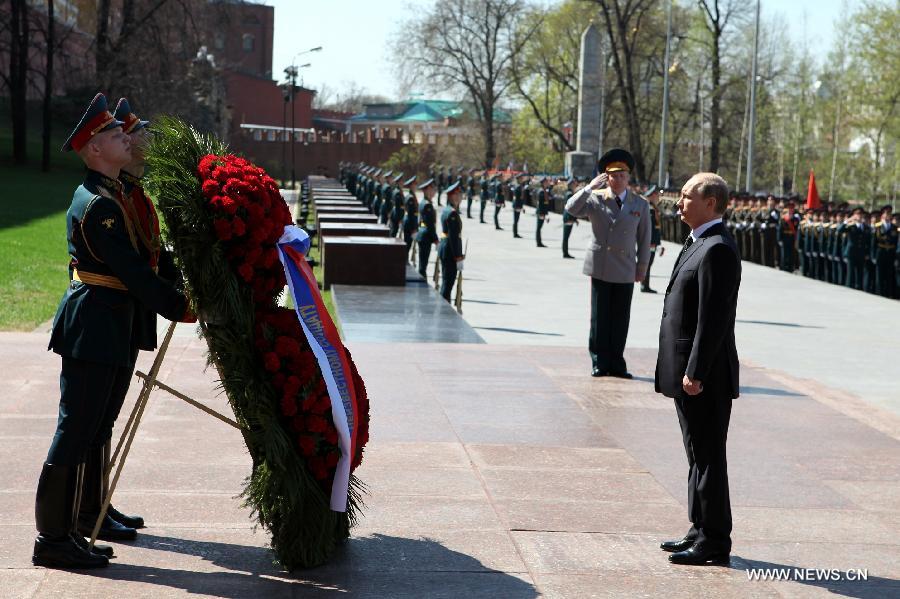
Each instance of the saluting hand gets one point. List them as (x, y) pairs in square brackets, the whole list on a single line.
[(599, 182)]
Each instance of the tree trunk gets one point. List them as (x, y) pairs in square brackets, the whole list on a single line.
[(18, 78), (48, 86), (101, 52), (715, 108)]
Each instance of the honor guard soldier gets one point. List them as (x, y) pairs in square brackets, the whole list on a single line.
[(370, 190), (98, 330), (498, 195), (869, 270), (441, 183), (427, 235), (470, 192), (855, 249), (569, 221), (483, 196), (396, 205), (770, 232), (787, 235), (884, 253), (411, 213), (383, 197), (520, 192), (450, 250), (544, 204), (652, 197)]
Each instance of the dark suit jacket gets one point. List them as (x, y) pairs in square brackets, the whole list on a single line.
[(696, 335)]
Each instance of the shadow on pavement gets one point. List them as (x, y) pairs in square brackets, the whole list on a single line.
[(376, 566)]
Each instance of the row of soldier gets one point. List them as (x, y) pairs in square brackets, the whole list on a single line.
[(842, 245), (382, 191)]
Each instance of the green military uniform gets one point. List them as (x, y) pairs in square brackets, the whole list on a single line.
[(411, 214), (854, 251), (98, 329), (427, 235), (450, 248), (544, 205)]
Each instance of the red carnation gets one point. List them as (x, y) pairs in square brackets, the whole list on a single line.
[(272, 362), (307, 445), (238, 226), (246, 271), (316, 424), (210, 188), (288, 406), (223, 229)]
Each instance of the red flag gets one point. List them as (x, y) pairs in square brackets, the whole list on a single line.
[(812, 194)]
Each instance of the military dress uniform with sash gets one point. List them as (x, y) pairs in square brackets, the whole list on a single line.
[(411, 214), (398, 205), (470, 193), (521, 195), (483, 197), (787, 234), (498, 193), (770, 236), (427, 234), (450, 248)]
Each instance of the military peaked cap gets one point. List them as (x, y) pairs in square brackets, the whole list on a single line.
[(96, 119), (616, 160), (132, 122)]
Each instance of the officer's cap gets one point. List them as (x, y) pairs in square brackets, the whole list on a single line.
[(131, 121), (397, 177), (454, 188), (651, 190), (96, 119), (410, 181), (887, 208), (426, 184), (387, 174), (616, 160)]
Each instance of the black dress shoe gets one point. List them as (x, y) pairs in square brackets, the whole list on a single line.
[(698, 555), (110, 530), (517, 237), (541, 245), (499, 228), (597, 372), (568, 256), (64, 553), (622, 375), (129, 521), (679, 545), (647, 290), (99, 549)]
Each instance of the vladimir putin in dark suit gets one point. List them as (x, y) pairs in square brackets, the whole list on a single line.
[(697, 364)]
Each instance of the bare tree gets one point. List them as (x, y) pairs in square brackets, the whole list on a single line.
[(467, 45), (48, 86), (623, 20), (17, 81), (718, 15)]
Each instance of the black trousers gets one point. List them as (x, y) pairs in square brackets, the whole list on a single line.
[(610, 315), (567, 232), (885, 276), (497, 208), (787, 253), (469, 206), (424, 252), (704, 429), (855, 269), (516, 215), (448, 278), (91, 396), (408, 237), (537, 231), (645, 284), (481, 210)]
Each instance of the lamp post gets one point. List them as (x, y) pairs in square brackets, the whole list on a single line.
[(291, 77), (660, 180), (752, 126), (286, 93)]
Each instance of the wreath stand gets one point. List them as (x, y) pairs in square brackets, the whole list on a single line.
[(125, 440)]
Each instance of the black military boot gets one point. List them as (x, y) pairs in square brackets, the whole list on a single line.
[(92, 500), (54, 507), (129, 521)]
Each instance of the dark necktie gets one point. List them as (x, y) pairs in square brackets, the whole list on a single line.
[(619, 202), (684, 248)]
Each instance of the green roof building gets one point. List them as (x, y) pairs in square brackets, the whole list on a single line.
[(419, 121)]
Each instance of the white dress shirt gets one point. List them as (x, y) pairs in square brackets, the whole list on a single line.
[(696, 233)]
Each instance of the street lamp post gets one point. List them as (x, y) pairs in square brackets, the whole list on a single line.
[(291, 76), (752, 125), (660, 181)]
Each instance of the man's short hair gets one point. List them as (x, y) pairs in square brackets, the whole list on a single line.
[(711, 185)]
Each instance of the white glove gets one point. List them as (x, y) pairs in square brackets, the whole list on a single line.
[(460, 264)]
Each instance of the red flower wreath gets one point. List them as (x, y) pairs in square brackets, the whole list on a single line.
[(249, 216)]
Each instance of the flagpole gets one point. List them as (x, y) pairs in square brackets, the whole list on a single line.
[(752, 123), (665, 110)]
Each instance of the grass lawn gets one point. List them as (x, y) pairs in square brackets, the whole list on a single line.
[(33, 204)]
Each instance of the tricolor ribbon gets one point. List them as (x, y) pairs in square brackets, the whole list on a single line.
[(328, 348)]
